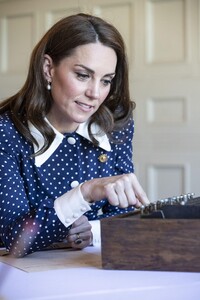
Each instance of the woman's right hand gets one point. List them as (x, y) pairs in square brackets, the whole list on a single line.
[(80, 230), (121, 190)]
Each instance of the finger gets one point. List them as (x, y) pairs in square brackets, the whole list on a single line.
[(80, 228), (139, 192), (142, 197), (111, 194), (131, 199), (78, 239), (80, 221), (82, 241), (79, 236), (120, 189), (121, 193), (80, 225), (82, 245)]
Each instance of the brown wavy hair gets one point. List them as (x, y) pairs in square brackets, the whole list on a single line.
[(33, 101)]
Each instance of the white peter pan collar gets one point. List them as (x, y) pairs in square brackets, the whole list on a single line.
[(82, 130)]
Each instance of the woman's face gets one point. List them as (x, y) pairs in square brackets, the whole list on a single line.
[(79, 84)]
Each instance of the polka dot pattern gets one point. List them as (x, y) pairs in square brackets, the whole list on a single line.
[(28, 221)]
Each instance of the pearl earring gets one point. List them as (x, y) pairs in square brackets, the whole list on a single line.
[(49, 86)]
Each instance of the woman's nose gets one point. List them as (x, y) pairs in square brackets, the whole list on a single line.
[(93, 91)]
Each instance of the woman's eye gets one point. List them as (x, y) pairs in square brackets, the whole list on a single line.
[(106, 82), (82, 76)]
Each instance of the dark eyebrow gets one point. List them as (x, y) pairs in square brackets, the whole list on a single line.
[(91, 71)]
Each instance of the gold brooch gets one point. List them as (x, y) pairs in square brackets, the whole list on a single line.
[(103, 158)]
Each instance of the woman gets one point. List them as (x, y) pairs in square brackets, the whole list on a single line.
[(66, 139)]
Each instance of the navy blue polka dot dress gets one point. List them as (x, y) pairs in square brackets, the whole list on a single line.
[(30, 186)]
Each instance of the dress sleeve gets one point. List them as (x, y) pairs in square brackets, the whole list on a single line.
[(25, 228)]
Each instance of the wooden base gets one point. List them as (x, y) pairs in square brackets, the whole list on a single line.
[(130, 242)]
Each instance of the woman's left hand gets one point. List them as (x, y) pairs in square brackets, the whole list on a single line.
[(80, 234)]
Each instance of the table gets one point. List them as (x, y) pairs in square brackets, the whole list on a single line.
[(81, 277)]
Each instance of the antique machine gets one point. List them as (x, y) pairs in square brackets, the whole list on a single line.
[(163, 236)]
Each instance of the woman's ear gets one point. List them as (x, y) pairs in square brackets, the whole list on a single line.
[(47, 67)]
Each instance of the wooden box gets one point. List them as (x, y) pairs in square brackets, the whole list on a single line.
[(130, 242)]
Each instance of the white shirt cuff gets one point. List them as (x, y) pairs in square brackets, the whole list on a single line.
[(71, 206)]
